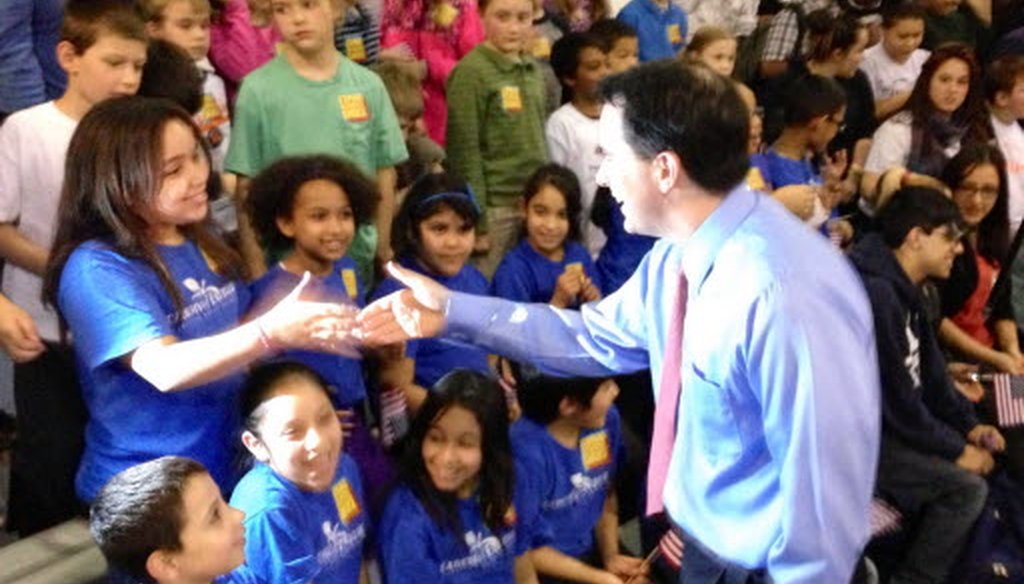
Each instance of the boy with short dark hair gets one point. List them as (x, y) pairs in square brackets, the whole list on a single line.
[(165, 521), (496, 113), (570, 440), (102, 49), (310, 99), (619, 42), (893, 65), (572, 131), (934, 453), (813, 110)]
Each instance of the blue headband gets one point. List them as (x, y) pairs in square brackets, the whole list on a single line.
[(469, 196)]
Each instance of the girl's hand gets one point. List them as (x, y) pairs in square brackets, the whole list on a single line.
[(316, 326), (627, 568), (834, 167), (799, 199), (590, 292), (567, 288)]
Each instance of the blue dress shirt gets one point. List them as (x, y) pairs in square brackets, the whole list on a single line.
[(779, 419)]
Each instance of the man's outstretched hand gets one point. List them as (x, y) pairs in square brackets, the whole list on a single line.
[(413, 313)]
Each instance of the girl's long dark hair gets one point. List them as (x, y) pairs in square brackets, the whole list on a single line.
[(482, 396), (994, 229), (971, 116), (114, 167)]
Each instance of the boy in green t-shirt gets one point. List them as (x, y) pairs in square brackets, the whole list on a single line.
[(311, 99), (496, 115)]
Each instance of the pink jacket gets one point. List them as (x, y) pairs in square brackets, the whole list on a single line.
[(237, 47), (410, 22)]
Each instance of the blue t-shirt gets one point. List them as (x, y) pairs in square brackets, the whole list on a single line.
[(779, 171), (526, 276), (414, 548), (294, 536), (621, 253), (661, 32), (113, 305), (436, 357), (342, 285), (569, 485)]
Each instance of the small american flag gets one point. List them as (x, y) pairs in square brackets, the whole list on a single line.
[(1009, 392)]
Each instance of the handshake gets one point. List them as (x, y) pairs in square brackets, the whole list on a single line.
[(330, 327)]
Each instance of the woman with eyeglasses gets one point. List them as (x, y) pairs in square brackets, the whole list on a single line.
[(978, 323), (946, 110)]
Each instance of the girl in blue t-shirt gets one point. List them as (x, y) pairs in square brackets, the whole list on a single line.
[(433, 234), (305, 515), (549, 264), (451, 518), (154, 298)]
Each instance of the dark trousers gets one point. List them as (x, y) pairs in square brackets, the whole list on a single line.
[(947, 499), (51, 423), (701, 566)]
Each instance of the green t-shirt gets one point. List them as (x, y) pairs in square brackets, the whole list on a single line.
[(280, 113), (496, 114)]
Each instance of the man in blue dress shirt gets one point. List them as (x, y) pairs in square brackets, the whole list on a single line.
[(778, 419)]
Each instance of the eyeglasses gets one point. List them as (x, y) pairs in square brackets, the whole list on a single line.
[(969, 190)]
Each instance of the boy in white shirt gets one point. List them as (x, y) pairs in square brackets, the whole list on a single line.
[(1004, 92), (580, 64), (103, 49), (893, 65)]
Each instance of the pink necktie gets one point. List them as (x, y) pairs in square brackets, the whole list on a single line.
[(664, 435)]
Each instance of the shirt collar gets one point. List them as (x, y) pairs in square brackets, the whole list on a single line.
[(653, 7), (700, 250), (503, 63)]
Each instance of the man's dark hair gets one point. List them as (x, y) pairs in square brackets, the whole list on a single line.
[(140, 511), (811, 96), (914, 207), (671, 106)]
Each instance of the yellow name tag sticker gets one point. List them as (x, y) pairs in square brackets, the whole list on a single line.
[(354, 108), (541, 48), (674, 35), (574, 268), (755, 179), (348, 276), (355, 49), (345, 500), (595, 450), (444, 14), (511, 99)]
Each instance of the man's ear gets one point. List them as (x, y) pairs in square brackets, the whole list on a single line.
[(1001, 99), (255, 446), (913, 238), (667, 171)]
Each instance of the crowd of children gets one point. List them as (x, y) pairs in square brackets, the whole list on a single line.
[(166, 362)]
